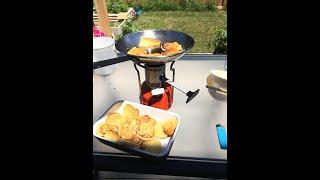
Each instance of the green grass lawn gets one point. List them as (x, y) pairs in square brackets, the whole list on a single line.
[(200, 25)]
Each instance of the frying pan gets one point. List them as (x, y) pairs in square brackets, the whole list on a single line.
[(132, 40)]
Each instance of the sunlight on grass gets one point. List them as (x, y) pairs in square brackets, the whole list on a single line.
[(200, 25)]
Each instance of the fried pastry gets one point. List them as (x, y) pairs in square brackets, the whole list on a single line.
[(168, 48), (112, 127), (111, 136), (128, 143), (169, 52), (171, 47), (130, 112), (136, 140), (159, 133), (137, 51), (146, 42), (129, 129), (147, 125), (169, 126), (115, 119), (153, 146), (102, 128)]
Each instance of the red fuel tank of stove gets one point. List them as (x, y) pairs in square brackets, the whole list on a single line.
[(163, 101)]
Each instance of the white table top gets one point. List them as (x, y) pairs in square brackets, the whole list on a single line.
[(197, 136)]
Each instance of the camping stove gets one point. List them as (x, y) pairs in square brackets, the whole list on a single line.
[(157, 90)]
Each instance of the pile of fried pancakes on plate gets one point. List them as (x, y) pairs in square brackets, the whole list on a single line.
[(167, 48), (130, 129)]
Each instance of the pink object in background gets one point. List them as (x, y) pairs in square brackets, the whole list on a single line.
[(97, 32)]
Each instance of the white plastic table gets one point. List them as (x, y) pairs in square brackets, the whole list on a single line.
[(196, 139)]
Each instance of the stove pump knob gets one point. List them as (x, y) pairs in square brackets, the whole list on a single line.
[(157, 91)]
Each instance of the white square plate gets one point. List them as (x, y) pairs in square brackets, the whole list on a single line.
[(157, 114)]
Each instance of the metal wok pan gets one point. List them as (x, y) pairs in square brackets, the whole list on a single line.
[(132, 40)]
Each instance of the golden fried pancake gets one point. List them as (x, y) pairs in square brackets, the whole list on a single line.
[(171, 47), (136, 140), (158, 132), (102, 128), (128, 143), (115, 119), (129, 129), (112, 116), (130, 112), (147, 124), (112, 127), (137, 51), (153, 146), (170, 126), (111, 136), (146, 42), (169, 52)]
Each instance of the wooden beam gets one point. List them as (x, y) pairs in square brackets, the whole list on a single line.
[(225, 4), (102, 12), (217, 2)]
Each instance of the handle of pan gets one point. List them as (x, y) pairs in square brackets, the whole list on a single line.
[(109, 62)]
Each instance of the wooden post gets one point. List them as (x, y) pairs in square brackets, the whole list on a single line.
[(219, 4), (102, 12), (224, 4)]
